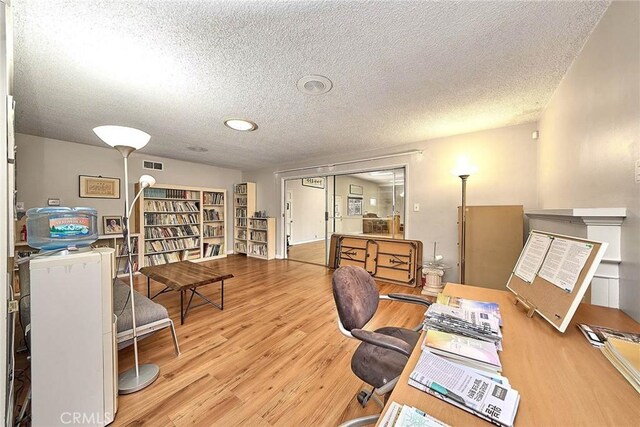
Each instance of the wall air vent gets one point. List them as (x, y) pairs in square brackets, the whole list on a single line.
[(154, 166)]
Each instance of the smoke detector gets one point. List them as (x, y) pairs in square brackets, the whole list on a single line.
[(314, 85)]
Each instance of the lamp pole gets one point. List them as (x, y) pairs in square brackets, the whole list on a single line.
[(463, 231), (141, 376), (127, 140)]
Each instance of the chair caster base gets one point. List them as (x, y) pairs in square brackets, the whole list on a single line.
[(363, 398)]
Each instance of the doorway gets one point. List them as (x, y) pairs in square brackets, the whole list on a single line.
[(305, 219), (364, 203)]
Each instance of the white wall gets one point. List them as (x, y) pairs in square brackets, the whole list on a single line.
[(308, 207), (507, 174), (49, 168), (590, 136)]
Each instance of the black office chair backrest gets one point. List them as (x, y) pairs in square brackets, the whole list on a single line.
[(356, 296)]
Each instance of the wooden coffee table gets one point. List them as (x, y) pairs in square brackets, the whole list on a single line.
[(182, 277)]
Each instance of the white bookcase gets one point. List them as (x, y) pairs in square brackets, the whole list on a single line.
[(261, 238), (178, 223), (244, 206)]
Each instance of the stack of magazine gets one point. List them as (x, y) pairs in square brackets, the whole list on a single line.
[(473, 353), (488, 397), (598, 335), (625, 357), (622, 349), (470, 304), (459, 363), (469, 322), (407, 416)]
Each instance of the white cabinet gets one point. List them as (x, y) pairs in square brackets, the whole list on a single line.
[(73, 361)]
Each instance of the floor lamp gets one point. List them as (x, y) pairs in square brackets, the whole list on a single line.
[(463, 171), (127, 140), (463, 232)]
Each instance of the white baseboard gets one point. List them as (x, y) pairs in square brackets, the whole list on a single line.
[(307, 241)]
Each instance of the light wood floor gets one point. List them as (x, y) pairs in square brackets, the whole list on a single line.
[(273, 357), (313, 252)]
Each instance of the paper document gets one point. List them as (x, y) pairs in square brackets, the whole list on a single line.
[(564, 262), (532, 257), (457, 384)]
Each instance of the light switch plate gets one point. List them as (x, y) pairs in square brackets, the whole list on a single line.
[(637, 171), (416, 207)]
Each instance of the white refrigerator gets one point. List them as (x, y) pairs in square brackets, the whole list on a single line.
[(73, 349)]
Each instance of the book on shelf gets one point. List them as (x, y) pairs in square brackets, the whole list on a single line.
[(212, 249), (407, 416), (171, 219), (212, 215), (624, 355), (169, 206), (467, 351), (259, 236), (213, 230), (126, 267), (240, 188), (212, 198), (598, 335), (171, 231), (169, 193), (465, 389)]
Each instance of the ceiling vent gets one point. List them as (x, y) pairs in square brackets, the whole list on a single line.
[(314, 85), (154, 166)]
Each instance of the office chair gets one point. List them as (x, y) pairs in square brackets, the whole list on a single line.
[(383, 353)]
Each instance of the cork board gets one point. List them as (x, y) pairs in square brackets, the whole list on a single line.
[(553, 303)]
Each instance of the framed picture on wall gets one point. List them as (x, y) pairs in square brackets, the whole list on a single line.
[(99, 187), (355, 189), (112, 224), (354, 206)]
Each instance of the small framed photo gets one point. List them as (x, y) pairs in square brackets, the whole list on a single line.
[(112, 224), (98, 187), (355, 189), (354, 206)]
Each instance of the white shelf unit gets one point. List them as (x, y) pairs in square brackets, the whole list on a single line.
[(261, 238), (116, 241), (180, 223), (244, 206), (213, 226)]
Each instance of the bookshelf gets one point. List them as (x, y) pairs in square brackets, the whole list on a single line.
[(244, 205), (178, 223), (261, 238), (213, 229), (117, 242)]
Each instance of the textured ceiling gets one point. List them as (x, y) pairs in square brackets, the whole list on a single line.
[(403, 71)]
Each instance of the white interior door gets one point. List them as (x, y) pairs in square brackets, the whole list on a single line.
[(289, 212)]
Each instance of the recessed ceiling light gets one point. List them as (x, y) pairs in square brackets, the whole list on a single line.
[(240, 124), (198, 149), (314, 84)]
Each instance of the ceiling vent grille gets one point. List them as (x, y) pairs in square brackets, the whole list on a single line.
[(154, 166)]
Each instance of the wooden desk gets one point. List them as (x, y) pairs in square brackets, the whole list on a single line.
[(185, 276), (561, 378)]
